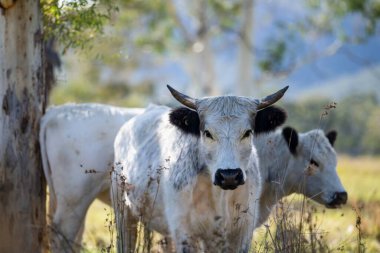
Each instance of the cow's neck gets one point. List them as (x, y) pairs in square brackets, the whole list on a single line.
[(274, 157)]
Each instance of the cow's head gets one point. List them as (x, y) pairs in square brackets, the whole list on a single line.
[(314, 160), (225, 126)]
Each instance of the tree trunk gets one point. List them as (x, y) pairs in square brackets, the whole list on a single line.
[(203, 53), (23, 99), (246, 51)]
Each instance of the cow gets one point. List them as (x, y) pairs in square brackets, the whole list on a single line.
[(200, 173), (76, 143), (298, 163)]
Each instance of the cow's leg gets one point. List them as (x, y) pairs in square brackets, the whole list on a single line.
[(186, 244), (67, 221), (126, 227), (184, 241), (131, 223), (169, 245), (79, 237), (126, 222)]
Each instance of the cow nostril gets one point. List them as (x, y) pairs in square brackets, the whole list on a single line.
[(341, 197), (218, 177), (239, 175)]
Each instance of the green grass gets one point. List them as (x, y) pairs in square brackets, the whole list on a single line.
[(361, 178), (97, 235)]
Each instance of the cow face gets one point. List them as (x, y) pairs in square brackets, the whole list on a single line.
[(314, 160), (225, 126)]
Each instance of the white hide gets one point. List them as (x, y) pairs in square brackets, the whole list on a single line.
[(170, 184), (285, 173), (77, 154)]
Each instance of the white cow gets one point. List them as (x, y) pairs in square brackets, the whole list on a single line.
[(205, 183), (76, 142), (298, 163), (77, 155)]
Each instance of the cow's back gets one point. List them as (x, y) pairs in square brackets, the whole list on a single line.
[(77, 144)]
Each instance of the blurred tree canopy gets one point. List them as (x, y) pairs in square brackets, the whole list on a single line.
[(120, 37), (125, 35), (75, 23), (356, 118)]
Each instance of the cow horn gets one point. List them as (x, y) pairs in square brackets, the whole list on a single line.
[(182, 98), (271, 99)]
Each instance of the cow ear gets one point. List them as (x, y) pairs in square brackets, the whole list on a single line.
[(269, 119), (186, 120), (291, 137), (331, 136)]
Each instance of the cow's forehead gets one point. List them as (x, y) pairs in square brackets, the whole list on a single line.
[(226, 113), (317, 143), (228, 126), (226, 106)]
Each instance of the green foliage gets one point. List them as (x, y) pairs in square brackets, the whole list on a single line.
[(118, 94), (356, 118), (371, 139), (160, 27), (368, 9), (226, 13), (274, 56), (75, 23), (336, 10), (323, 18)]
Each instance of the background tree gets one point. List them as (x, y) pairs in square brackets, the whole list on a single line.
[(23, 99), (25, 80)]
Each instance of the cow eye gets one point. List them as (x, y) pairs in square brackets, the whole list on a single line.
[(246, 134), (208, 134), (313, 162)]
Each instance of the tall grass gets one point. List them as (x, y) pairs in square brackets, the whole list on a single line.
[(337, 229)]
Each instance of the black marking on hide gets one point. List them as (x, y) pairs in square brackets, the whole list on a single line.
[(186, 120), (269, 119), (331, 136), (291, 137)]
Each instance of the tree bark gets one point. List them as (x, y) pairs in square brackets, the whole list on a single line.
[(23, 100), (246, 51)]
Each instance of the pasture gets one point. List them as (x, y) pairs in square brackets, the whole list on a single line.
[(127, 53), (337, 229)]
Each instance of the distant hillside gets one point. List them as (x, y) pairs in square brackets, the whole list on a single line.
[(363, 81)]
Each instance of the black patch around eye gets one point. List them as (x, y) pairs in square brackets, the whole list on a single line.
[(186, 120), (269, 119), (313, 162)]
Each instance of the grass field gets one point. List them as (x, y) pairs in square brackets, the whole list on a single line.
[(359, 175)]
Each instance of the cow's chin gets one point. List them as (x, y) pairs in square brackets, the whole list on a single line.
[(321, 201), (333, 206), (228, 187), (329, 205)]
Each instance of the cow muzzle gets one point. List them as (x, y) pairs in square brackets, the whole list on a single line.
[(340, 198), (229, 179)]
